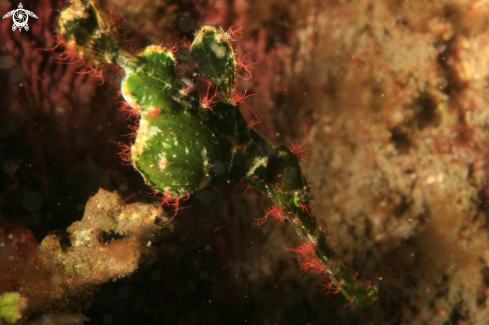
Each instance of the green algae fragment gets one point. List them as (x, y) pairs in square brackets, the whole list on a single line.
[(12, 305), (79, 269), (50, 245)]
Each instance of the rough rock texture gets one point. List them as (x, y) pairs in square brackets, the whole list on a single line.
[(108, 243), (395, 111)]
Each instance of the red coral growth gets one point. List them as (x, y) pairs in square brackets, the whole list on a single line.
[(275, 64), (174, 49), (242, 65), (118, 21), (69, 55), (276, 212), (303, 250), (128, 109), (167, 200), (248, 187), (116, 69), (256, 120), (171, 202), (309, 263), (235, 33), (240, 98), (134, 131), (184, 43), (95, 73), (305, 208), (299, 151), (336, 242), (135, 48), (329, 287), (121, 203), (155, 113), (253, 123), (125, 153), (207, 100)]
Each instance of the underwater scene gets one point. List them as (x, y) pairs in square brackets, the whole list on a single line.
[(244, 162)]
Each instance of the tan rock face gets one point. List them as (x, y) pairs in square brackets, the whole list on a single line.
[(398, 128), (108, 243)]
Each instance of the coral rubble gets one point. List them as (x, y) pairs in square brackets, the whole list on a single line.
[(108, 243)]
